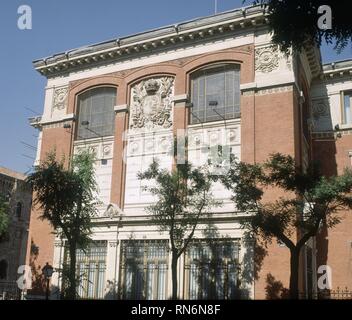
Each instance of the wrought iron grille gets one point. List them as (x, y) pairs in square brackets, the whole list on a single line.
[(9, 291), (212, 270), (90, 269), (144, 268)]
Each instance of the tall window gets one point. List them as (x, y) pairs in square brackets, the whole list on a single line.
[(90, 268), (96, 113), (215, 94), (3, 269), (347, 107), (19, 210), (144, 270), (211, 270)]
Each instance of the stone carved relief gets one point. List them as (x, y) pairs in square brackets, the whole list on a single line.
[(107, 150), (60, 99), (113, 211), (267, 59), (320, 109), (100, 150), (151, 104)]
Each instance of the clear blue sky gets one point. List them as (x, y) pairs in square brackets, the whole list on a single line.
[(59, 25)]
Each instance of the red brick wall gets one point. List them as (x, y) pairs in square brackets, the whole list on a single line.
[(335, 245), (268, 126), (40, 236)]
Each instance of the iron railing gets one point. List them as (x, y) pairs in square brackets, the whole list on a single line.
[(336, 294), (9, 291)]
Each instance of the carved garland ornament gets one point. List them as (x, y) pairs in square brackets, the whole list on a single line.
[(151, 105), (267, 59), (60, 98)]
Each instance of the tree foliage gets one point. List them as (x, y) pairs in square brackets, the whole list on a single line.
[(184, 198), (305, 201), (67, 199), (294, 23)]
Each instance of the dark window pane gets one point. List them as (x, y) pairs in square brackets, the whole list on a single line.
[(96, 107), (216, 94)]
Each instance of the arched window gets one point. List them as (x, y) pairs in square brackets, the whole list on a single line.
[(215, 93), (96, 113), (19, 210), (3, 269)]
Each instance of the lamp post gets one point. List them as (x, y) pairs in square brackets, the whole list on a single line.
[(48, 271)]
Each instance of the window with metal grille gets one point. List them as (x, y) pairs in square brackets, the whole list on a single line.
[(215, 94), (90, 269), (144, 268), (96, 113), (211, 270)]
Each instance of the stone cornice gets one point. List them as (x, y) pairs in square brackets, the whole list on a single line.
[(110, 51), (314, 59), (180, 98), (337, 69), (121, 108), (39, 122), (127, 220)]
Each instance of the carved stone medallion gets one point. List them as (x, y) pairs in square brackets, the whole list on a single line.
[(320, 109), (60, 98), (151, 105), (267, 59)]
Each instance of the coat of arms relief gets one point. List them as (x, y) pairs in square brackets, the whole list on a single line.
[(151, 104)]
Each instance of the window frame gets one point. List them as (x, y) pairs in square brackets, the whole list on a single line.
[(213, 262), (145, 260), (343, 109), (92, 262), (78, 111), (5, 272), (19, 210), (207, 71)]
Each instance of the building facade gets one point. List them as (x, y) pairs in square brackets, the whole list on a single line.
[(222, 81), (13, 244)]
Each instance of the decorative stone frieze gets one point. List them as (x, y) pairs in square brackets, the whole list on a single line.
[(274, 90), (102, 150)]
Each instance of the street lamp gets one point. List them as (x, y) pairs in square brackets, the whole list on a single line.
[(48, 271)]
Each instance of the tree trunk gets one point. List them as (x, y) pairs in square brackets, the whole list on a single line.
[(174, 275), (294, 293), (72, 286)]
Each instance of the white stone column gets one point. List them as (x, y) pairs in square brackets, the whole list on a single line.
[(112, 269), (58, 260)]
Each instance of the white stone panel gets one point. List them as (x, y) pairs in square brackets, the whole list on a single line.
[(202, 140), (103, 149)]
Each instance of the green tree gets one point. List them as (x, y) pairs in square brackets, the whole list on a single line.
[(305, 201), (294, 23), (67, 198), (4, 217), (184, 198)]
